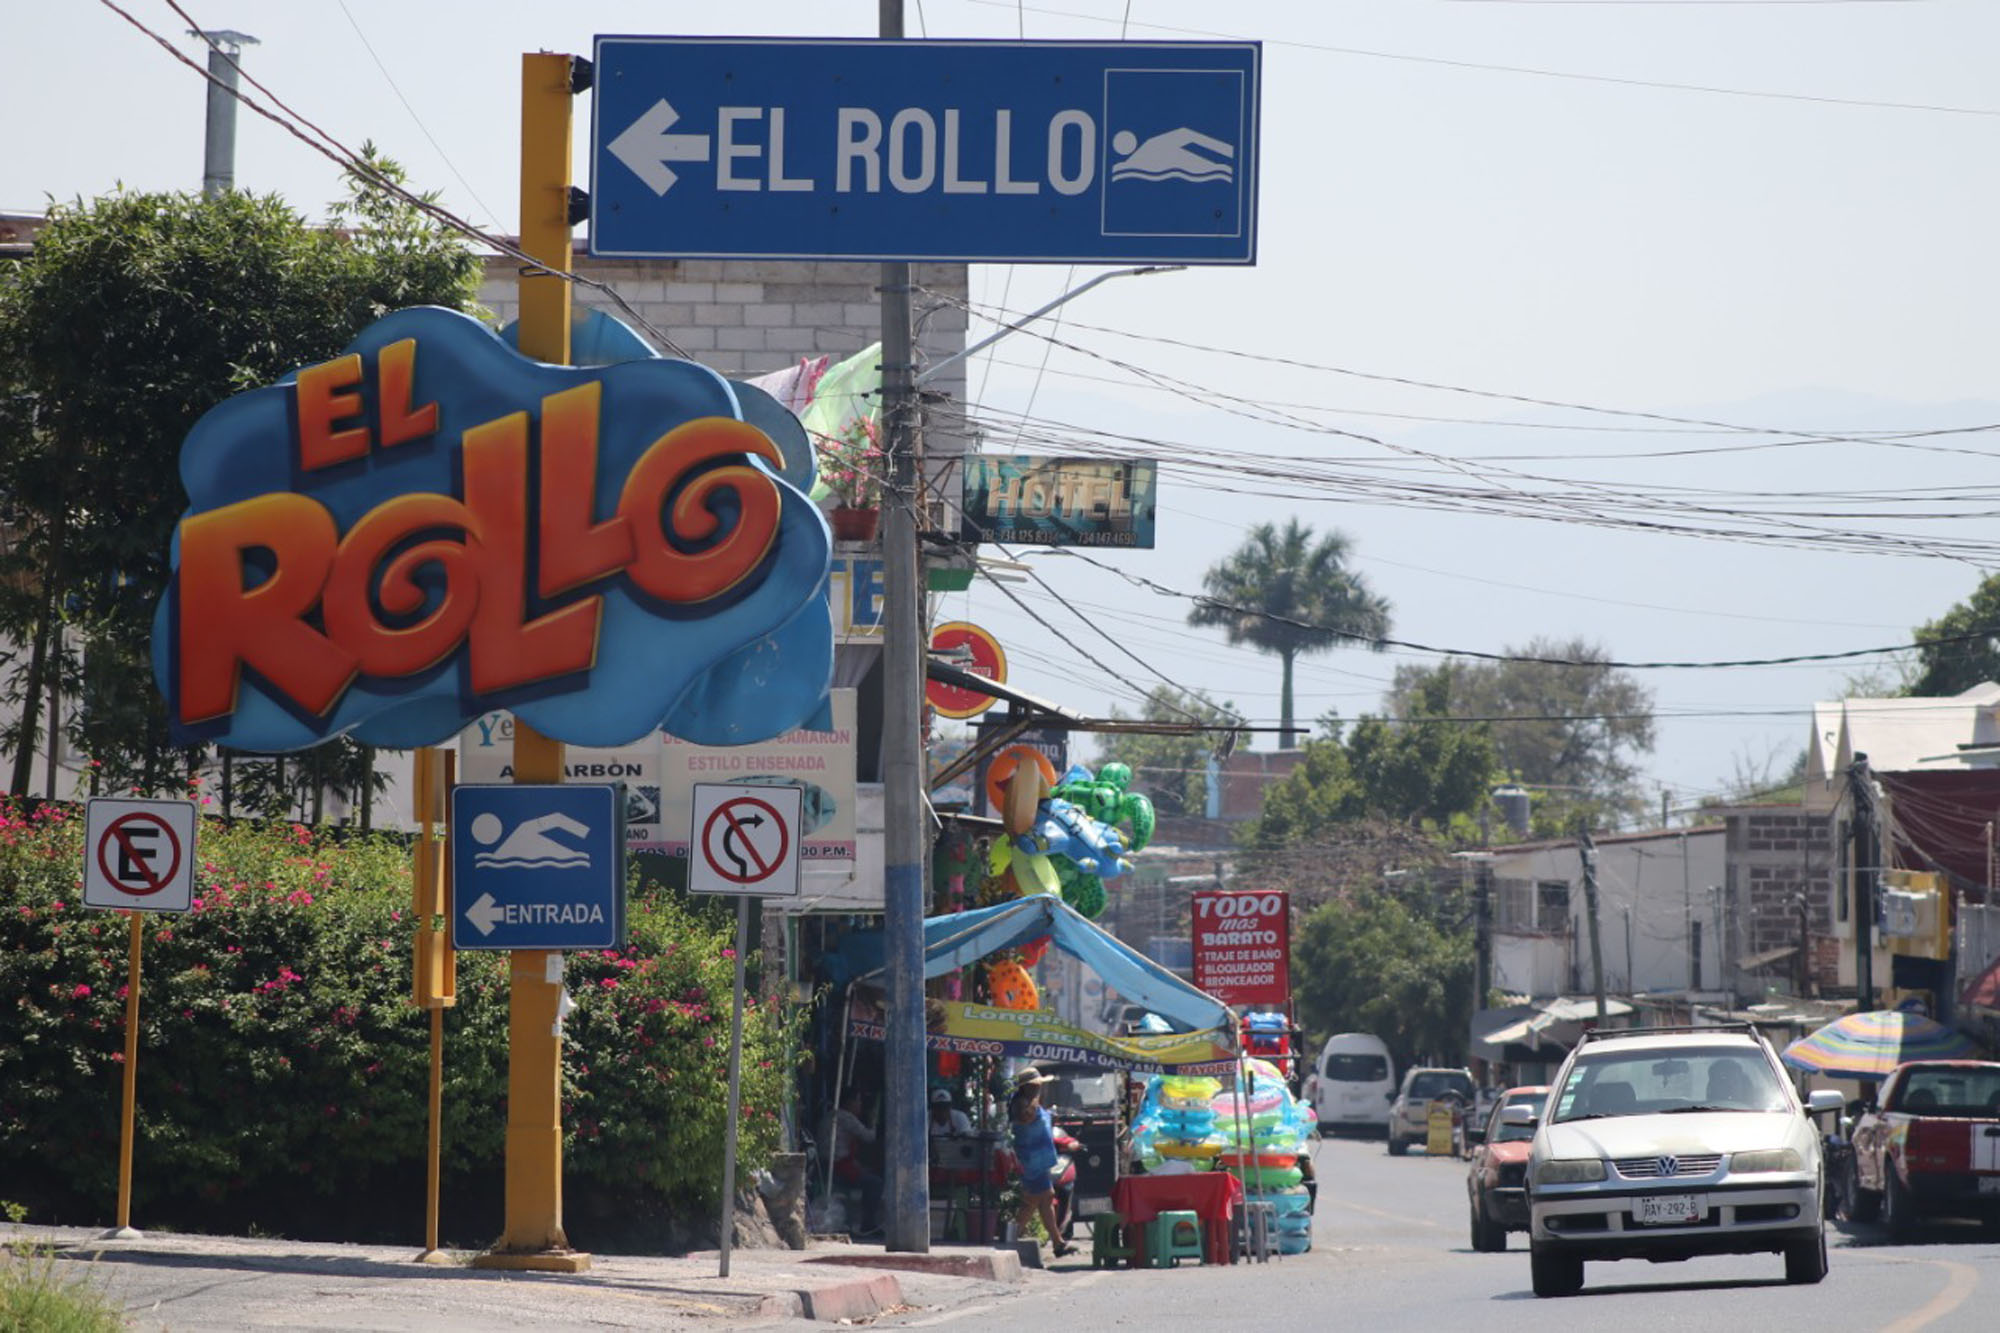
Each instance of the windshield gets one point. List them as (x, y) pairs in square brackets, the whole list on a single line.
[(1357, 1069), (1948, 1090), (1431, 1084), (1667, 1081), (1499, 1133)]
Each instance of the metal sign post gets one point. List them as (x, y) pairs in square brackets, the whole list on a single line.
[(136, 854), (744, 841), (735, 1085)]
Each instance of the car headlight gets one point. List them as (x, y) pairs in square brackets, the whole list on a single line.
[(1768, 1159), (1569, 1171)]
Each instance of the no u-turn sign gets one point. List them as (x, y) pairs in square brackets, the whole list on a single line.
[(138, 854)]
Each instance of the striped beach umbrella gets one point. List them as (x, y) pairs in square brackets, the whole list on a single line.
[(1871, 1045)]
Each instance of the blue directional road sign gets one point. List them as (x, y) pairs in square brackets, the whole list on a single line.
[(538, 867), (1009, 152)]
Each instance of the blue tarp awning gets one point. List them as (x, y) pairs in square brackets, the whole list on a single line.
[(962, 938)]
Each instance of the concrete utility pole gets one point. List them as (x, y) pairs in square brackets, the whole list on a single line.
[(1589, 851), (1631, 978), (1867, 854), (1687, 921), (906, 824), (218, 164)]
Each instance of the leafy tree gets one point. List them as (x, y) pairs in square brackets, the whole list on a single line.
[(133, 315), (1173, 770), (1372, 962), (1578, 731), (1952, 668), (1423, 770), (1769, 776), (1286, 594)]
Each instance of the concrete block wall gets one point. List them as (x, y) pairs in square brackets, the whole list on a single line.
[(744, 318), (1775, 853)]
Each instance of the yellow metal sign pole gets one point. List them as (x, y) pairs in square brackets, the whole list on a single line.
[(534, 1237), (434, 980), (128, 1113)]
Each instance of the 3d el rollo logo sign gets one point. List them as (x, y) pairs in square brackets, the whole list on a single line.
[(431, 526)]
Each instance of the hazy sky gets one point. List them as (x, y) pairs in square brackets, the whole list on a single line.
[(1768, 215)]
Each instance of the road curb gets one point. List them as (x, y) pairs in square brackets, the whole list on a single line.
[(859, 1298), (986, 1265)]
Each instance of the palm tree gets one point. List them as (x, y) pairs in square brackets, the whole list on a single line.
[(1283, 592)]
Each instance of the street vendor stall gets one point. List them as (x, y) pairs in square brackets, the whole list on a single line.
[(954, 1027)]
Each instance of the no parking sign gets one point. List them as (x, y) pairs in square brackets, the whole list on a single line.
[(138, 854)]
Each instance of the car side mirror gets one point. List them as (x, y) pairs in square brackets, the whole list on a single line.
[(1523, 1116), (1821, 1100)]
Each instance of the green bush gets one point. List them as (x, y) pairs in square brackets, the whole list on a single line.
[(283, 1073)]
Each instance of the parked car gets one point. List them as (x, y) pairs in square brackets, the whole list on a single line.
[(1410, 1113), (1668, 1143), (1352, 1083), (1496, 1186), (1931, 1147)]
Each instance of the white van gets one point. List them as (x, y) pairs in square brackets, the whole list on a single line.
[(1353, 1083)]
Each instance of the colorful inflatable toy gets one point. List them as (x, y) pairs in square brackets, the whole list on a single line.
[(1012, 987), (1105, 799), (1003, 766)]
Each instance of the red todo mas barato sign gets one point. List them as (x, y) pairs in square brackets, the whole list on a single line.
[(1243, 947)]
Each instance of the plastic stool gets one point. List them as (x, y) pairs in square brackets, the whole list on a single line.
[(1108, 1244), (1174, 1236)]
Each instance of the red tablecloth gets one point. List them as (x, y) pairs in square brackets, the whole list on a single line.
[(1210, 1195)]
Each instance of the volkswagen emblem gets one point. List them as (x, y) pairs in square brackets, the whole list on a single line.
[(1670, 1166)]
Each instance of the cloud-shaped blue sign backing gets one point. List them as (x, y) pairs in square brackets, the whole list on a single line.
[(751, 663)]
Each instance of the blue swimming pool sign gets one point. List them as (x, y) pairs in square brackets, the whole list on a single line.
[(1022, 152), (538, 866)]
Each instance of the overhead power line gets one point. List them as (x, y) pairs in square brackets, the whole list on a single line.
[(1204, 599), (297, 125), (1663, 85)]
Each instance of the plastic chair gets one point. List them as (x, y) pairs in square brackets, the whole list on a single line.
[(1109, 1246), (1172, 1237)]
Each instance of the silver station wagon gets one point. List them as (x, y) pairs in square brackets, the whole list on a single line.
[(1669, 1143)]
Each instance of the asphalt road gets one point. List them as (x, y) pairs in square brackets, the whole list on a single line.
[(1391, 1253)]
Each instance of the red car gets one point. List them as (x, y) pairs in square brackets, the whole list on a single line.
[(1497, 1185), (1932, 1147)]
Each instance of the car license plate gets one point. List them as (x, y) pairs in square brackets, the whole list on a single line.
[(1666, 1210), (1989, 1184)]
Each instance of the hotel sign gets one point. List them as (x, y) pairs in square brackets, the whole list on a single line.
[(1031, 501)]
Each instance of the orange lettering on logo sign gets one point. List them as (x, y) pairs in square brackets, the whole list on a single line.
[(259, 578)]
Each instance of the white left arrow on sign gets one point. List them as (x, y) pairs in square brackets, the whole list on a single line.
[(646, 147), (485, 913)]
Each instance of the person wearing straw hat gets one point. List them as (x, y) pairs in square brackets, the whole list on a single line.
[(1035, 1155)]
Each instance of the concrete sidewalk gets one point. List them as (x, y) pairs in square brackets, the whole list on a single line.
[(185, 1283)]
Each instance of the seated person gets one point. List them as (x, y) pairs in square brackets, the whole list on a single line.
[(947, 1121), (1728, 1085), (850, 1131)]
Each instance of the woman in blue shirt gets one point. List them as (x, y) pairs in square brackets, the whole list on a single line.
[(1035, 1155)]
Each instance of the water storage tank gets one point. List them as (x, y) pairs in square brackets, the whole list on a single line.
[(1513, 803)]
